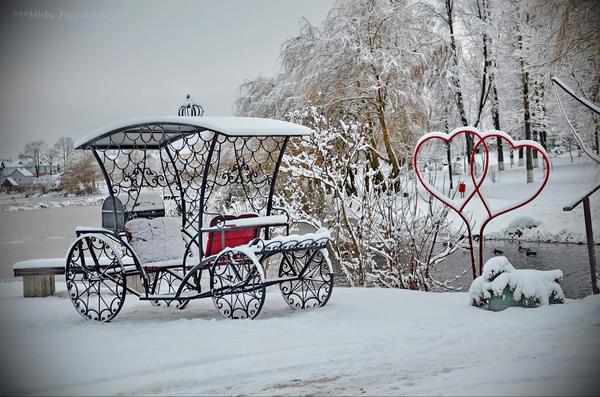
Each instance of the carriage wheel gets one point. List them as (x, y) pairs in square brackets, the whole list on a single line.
[(311, 287), (165, 282), (236, 285), (95, 278)]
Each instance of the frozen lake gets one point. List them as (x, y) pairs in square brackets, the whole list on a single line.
[(43, 233)]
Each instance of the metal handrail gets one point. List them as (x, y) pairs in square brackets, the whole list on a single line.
[(579, 200)]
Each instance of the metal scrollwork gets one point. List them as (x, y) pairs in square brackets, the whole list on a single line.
[(246, 173), (166, 283)]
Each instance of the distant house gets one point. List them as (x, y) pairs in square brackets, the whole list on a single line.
[(8, 184), (7, 167), (21, 176)]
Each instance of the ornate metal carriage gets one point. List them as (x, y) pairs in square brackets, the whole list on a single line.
[(217, 177)]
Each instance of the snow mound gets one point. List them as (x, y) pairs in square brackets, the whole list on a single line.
[(496, 265), (528, 287), (523, 222)]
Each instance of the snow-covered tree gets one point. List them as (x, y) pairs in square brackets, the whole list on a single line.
[(378, 74)]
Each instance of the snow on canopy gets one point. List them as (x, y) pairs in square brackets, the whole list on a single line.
[(156, 129), (533, 285)]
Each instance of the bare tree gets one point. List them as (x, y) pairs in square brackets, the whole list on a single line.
[(64, 148), (82, 176), (50, 155), (35, 152)]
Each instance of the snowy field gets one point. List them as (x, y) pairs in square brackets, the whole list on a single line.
[(366, 341)]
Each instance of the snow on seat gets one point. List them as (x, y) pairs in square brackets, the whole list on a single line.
[(501, 286), (157, 242), (257, 221)]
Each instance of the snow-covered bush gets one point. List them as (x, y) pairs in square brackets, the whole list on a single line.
[(518, 225), (365, 82), (528, 288), (383, 232)]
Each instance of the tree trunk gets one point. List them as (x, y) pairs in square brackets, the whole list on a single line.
[(496, 120), (526, 110), (487, 62), (372, 156), (448, 153), (495, 109), (520, 163), (455, 79)]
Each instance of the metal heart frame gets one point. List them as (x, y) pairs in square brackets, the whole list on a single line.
[(481, 140)]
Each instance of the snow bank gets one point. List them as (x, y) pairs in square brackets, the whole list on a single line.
[(530, 288), (24, 204)]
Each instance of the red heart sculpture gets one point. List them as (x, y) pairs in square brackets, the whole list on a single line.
[(459, 207), (453, 204)]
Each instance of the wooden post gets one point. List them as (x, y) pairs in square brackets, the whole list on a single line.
[(590, 243), (38, 286), (135, 282)]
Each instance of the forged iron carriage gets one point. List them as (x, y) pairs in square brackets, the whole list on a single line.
[(218, 174)]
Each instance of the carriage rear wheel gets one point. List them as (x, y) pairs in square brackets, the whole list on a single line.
[(312, 279), (236, 284), (95, 278)]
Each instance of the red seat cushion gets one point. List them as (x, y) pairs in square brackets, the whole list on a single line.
[(232, 238)]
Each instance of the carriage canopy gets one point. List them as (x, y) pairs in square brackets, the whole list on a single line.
[(202, 165), (159, 131)]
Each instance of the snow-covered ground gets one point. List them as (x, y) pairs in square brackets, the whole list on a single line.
[(365, 341)]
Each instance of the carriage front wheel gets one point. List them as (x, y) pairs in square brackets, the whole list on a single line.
[(95, 278), (309, 278), (237, 285)]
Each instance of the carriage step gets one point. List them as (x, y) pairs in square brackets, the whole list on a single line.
[(165, 297)]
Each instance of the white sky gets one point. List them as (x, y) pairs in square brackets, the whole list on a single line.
[(67, 67)]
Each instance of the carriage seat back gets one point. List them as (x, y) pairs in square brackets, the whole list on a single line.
[(156, 240), (217, 241)]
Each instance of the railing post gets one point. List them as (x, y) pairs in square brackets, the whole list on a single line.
[(590, 243)]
